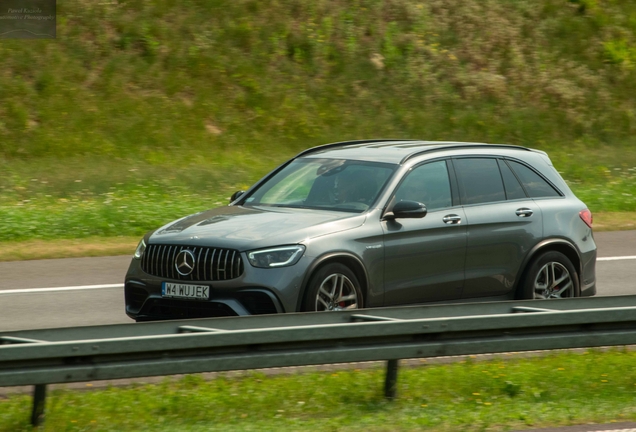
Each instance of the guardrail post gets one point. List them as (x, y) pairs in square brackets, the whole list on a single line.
[(39, 398), (390, 384)]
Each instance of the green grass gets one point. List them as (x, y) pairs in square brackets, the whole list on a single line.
[(86, 197), (558, 389), (141, 112), (602, 176)]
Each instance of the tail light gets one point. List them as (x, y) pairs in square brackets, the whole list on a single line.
[(586, 216)]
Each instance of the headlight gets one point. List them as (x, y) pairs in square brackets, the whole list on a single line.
[(141, 247), (276, 257)]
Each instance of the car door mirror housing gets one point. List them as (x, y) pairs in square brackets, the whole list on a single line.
[(407, 210), (236, 195)]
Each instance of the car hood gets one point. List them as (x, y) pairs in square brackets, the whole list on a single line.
[(242, 228)]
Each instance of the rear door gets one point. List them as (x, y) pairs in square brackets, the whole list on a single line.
[(502, 223), (424, 258)]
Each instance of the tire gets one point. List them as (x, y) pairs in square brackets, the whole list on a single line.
[(551, 275), (333, 287)]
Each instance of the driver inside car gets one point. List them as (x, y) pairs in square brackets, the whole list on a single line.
[(355, 187)]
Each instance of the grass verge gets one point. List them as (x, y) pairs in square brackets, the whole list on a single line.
[(614, 221), (67, 248), (496, 395)]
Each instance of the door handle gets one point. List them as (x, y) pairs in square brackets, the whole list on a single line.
[(452, 219), (524, 212)]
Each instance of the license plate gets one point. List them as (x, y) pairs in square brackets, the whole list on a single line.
[(177, 290)]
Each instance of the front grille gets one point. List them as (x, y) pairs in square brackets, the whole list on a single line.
[(210, 264)]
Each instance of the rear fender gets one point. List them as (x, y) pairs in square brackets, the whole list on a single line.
[(555, 244)]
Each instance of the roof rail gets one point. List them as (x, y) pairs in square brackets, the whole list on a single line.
[(344, 143), (460, 145)]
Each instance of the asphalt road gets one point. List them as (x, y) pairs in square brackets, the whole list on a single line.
[(88, 291)]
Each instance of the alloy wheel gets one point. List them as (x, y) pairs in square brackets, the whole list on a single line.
[(336, 292), (553, 281)]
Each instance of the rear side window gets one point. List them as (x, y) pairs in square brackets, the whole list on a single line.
[(533, 183), (479, 180)]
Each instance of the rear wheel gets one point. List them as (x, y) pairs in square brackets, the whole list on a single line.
[(333, 287), (550, 276)]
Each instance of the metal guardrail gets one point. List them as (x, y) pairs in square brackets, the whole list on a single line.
[(65, 355)]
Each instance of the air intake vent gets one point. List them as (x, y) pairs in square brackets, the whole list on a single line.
[(210, 264)]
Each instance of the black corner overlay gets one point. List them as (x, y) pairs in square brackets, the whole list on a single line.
[(27, 19)]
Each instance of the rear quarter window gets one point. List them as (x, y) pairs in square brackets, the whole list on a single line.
[(534, 185)]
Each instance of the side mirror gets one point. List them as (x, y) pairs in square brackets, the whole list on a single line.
[(236, 195), (407, 210)]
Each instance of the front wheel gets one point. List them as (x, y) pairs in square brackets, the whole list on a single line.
[(550, 276), (334, 287)]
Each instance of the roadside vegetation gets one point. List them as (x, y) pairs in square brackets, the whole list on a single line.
[(141, 112), (494, 395)]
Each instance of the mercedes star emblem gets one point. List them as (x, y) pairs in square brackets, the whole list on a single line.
[(184, 262)]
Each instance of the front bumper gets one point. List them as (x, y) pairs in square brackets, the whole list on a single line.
[(255, 292)]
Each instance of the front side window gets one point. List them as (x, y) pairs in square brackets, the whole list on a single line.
[(479, 180), (427, 184), (329, 184)]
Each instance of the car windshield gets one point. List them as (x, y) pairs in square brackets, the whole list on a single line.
[(329, 184)]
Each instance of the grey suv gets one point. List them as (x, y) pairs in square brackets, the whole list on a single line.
[(373, 223)]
